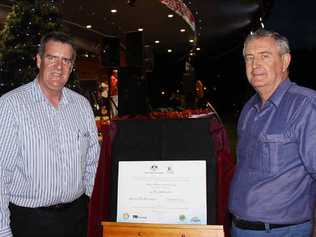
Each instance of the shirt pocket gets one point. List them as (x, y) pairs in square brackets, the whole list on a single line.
[(270, 153), (83, 143)]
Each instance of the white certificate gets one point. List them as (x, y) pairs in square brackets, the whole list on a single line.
[(165, 192)]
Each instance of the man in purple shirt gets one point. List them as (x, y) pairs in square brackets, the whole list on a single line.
[(273, 190)]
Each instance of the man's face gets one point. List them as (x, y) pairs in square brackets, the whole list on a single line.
[(55, 66), (265, 66)]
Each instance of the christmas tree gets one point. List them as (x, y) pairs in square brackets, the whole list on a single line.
[(19, 39)]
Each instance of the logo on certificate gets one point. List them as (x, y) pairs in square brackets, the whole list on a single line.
[(125, 216), (195, 220), (182, 218), (154, 167)]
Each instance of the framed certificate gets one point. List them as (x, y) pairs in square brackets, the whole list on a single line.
[(164, 192)]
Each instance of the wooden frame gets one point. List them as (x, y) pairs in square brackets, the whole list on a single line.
[(120, 229)]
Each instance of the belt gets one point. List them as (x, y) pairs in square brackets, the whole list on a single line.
[(256, 225)]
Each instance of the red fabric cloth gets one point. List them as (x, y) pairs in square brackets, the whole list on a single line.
[(99, 209), (225, 169), (98, 206)]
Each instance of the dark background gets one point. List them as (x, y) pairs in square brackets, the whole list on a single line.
[(223, 74)]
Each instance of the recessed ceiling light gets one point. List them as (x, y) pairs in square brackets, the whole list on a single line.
[(157, 41), (170, 15), (113, 11), (88, 26), (169, 50), (140, 29), (182, 30), (198, 49), (191, 41)]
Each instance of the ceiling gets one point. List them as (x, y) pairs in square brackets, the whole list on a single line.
[(150, 15), (220, 24)]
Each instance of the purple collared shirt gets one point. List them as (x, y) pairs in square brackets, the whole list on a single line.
[(274, 181)]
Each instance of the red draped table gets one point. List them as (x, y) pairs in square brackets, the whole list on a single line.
[(99, 203)]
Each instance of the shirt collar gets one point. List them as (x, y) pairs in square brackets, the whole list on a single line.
[(39, 96), (277, 95)]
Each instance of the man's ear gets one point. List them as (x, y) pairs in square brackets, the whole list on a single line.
[(286, 59), (38, 61)]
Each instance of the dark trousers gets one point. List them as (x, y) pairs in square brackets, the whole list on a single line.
[(57, 221)]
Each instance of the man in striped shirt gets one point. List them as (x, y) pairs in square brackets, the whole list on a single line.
[(48, 150)]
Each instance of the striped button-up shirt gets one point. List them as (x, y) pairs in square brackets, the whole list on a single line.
[(48, 155)]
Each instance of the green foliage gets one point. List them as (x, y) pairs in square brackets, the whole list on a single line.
[(19, 39)]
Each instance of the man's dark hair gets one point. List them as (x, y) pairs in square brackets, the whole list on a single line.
[(57, 36)]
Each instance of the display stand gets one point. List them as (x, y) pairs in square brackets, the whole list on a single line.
[(119, 229)]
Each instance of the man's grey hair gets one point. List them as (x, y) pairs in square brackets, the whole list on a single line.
[(282, 42), (56, 36)]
